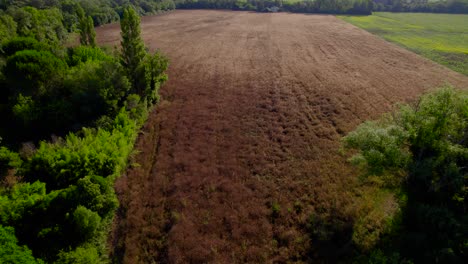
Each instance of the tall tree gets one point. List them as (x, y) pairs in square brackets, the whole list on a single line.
[(91, 32), (87, 32), (133, 48)]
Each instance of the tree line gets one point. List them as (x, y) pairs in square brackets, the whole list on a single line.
[(443, 6), (419, 153), (363, 7), (101, 11), (357, 7), (56, 197)]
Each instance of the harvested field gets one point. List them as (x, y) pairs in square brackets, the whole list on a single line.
[(244, 146)]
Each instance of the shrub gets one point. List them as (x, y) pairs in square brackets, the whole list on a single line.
[(30, 71), (86, 222), (82, 54), (427, 142), (81, 255), (7, 26), (100, 152), (8, 160), (11, 252), (14, 45)]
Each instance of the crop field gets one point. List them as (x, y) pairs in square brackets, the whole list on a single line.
[(242, 154), (442, 38)]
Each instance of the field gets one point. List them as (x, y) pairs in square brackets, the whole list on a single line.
[(242, 155), (442, 38)]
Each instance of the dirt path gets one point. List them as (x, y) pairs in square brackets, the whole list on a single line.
[(243, 147)]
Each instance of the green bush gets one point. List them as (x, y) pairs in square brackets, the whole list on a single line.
[(14, 45), (22, 197), (45, 25), (97, 194), (100, 152), (8, 160), (81, 255), (82, 54), (11, 252), (86, 222), (29, 71), (7, 26), (427, 143), (152, 74), (101, 84)]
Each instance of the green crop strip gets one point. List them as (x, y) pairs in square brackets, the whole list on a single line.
[(442, 38)]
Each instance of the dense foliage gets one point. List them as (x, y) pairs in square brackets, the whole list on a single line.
[(443, 6), (57, 198), (71, 11), (317, 6), (362, 7), (424, 148)]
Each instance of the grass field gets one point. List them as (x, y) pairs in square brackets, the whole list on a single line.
[(442, 38)]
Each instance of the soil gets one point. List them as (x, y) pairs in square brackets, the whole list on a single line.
[(243, 148)]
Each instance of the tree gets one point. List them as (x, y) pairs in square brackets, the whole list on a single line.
[(87, 32), (7, 26), (86, 222), (8, 160), (425, 148), (43, 25), (151, 76), (91, 32), (10, 251), (30, 72), (133, 48), (81, 255), (10, 47)]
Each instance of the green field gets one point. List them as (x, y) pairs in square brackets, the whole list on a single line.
[(442, 38)]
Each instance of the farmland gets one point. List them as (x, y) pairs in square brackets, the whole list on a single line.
[(241, 157), (439, 37)]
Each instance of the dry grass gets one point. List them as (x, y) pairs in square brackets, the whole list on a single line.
[(240, 163)]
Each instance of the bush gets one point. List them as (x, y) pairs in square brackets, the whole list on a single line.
[(11, 252), (101, 84), (81, 255), (82, 54), (7, 26), (86, 222), (152, 76), (100, 152), (19, 200), (45, 25), (8, 160), (96, 193), (14, 45), (30, 71), (427, 142)]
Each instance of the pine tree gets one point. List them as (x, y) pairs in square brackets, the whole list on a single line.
[(133, 48)]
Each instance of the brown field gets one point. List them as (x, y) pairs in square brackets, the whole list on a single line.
[(244, 146)]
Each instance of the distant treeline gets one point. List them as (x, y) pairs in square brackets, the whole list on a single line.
[(448, 6), (102, 11), (361, 7)]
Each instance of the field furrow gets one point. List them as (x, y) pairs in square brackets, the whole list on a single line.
[(243, 147)]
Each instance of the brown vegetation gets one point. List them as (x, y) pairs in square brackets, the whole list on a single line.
[(242, 152)]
